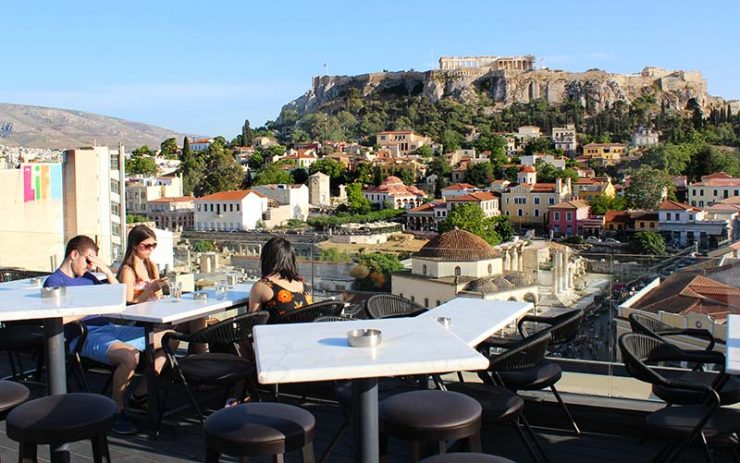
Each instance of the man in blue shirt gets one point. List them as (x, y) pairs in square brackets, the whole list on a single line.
[(107, 343)]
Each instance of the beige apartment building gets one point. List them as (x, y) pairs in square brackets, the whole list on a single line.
[(608, 153), (140, 191), (401, 142), (526, 202), (713, 188)]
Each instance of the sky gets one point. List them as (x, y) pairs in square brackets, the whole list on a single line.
[(203, 67)]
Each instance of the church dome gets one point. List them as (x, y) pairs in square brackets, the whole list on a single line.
[(457, 246), (482, 285), (393, 180), (516, 279)]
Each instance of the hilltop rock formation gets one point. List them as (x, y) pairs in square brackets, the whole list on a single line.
[(595, 89)]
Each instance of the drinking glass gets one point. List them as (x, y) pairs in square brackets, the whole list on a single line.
[(220, 290), (176, 291), (231, 279)]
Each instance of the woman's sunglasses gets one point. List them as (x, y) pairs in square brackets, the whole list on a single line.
[(148, 246)]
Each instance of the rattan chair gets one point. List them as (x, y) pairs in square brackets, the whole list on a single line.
[(309, 313), (680, 424), (212, 369), (644, 324), (391, 306), (562, 328)]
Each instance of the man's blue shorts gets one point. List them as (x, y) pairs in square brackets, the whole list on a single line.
[(100, 338)]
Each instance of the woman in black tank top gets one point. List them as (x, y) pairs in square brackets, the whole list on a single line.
[(281, 289)]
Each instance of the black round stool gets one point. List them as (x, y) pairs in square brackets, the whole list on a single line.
[(430, 416), (259, 429), (11, 395), (466, 458), (63, 418)]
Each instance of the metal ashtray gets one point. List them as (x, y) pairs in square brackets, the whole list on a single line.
[(445, 321), (200, 296), (364, 338), (36, 282), (53, 293)]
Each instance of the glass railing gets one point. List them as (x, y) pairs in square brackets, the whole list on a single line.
[(681, 289)]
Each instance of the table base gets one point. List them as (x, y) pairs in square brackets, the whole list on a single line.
[(365, 424)]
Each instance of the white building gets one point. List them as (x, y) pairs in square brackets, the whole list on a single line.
[(713, 188), (93, 206), (319, 189), (684, 225), (531, 160), (294, 198), (141, 190), (200, 144), (230, 210), (526, 133), (395, 192), (645, 137), (565, 138)]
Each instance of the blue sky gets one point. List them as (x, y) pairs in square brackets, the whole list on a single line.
[(203, 67)]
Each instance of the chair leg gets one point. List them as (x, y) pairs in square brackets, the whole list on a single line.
[(27, 453), (337, 436), (212, 456), (474, 443), (534, 438), (162, 408), (195, 404), (527, 443), (565, 407), (100, 449), (307, 453), (705, 445)]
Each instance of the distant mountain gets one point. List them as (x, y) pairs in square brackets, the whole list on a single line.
[(39, 127)]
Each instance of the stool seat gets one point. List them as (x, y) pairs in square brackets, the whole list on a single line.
[(499, 404), (466, 458), (255, 429), (11, 395), (534, 378), (61, 418), (430, 415)]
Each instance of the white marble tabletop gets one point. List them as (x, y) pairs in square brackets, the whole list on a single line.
[(733, 345), (167, 311), (26, 283), (300, 352), (25, 304), (475, 320)]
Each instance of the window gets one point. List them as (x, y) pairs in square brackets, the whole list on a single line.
[(413, 299), (557, 216), (715, 192), (537, 200), (490, 269), (551, 201), (438, 302), (568, 216), (519, 212), (424, 269), (458, 271), (426, 302), (237, 207), (536, 212), (677, 216)]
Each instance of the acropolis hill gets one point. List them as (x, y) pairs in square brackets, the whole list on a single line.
[(507, 80)]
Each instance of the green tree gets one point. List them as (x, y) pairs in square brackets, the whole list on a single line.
[(357, 203), (425, 151), (648, 187), (255, 160), (470, 217), (364, 173), (270, 174), (451, 140), (647, 243), (142, 151), (334, 255), (247, 134), (168, 149), (136, 218), (203, 246), (331, 167), (300, 175), (379, 266), (142, 165), (191, 168), (222, 172), (669, 157), (539, 145), (440, 167), (480, 173), (603, 203), (273, 150), (494, 143)]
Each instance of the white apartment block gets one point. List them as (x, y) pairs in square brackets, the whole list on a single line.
[(293, 196), (140, 191), (565, 138), (712, 189), (230, 211)]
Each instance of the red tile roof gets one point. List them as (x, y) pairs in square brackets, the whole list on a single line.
[(572, 204), (670, 205), (529, 169), (543, 188), (178, 199), (229, 195), (458, 187)]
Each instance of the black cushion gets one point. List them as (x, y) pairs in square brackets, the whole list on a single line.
[(254, 429), (680, 420), (430, 415), (215, 368), (466, 458), (729, 394), (386, 388), (499, 404), (12, 394), (61, 418), (535, 378)]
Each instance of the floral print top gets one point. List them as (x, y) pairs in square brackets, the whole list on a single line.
[(284, 300)]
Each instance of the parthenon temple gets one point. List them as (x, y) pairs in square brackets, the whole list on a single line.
[(497, 63)]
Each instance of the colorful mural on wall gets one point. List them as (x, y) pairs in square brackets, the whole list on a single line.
[(42, 181)]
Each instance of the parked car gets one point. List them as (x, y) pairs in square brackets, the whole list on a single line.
[(612, 241), (593, 239)]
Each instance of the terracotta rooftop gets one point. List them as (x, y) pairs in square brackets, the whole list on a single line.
[(229, 195), (458, 187), (477, 196), (178, 199), (670, 205), (457, 246), (572, 204), (528, 169)]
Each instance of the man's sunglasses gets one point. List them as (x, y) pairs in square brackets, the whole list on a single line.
[(148, 246)]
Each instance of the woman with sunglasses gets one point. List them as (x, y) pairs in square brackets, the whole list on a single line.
[(137, 271)]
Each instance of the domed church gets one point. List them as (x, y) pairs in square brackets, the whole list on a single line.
[(459, 263)]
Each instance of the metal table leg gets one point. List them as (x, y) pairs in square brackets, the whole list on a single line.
[(56, 373), (151, 379), (365, 425)]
